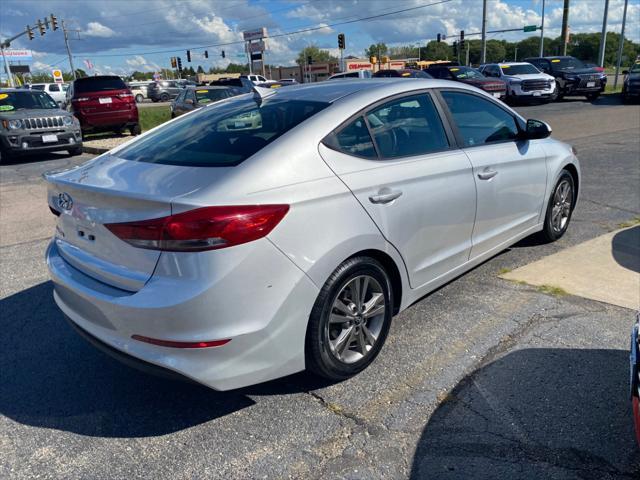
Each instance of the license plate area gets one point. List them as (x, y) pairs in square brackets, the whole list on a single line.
[(591, 84), (536, 94), (104, 100), (49, 138), (496, 95)]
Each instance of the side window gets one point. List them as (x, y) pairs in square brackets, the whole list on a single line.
[(353, 139), (190, 95), (180, 97), (407, 126), (54, 88), (480, 121)]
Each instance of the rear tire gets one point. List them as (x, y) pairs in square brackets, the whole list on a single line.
[(139, 98), (346, 331), (560, 208), (135, 130), (164, 97)]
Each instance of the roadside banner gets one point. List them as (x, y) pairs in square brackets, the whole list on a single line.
[(13, 54)]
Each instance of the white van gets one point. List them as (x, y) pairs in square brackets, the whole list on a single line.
[(354, 74)]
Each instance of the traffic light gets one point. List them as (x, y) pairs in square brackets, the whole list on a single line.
[(189, 56), (341, 44), (179, 64), (224, 55), (309, 60), (54, 22), (461, 39), (439, 38), (30, 33), (206, 54), (174, 64), (41, 27), (455, 48)]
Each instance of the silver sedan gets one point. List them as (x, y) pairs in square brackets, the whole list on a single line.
[(281, 230)]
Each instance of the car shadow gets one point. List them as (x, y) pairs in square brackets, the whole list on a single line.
[(625, 247), (53, 378), (35, 158), (535, 413)]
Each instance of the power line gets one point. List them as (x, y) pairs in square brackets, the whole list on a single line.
[(285, 34)]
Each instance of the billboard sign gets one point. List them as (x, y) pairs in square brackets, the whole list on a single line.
[(256, 47), (256, 34), (359, 66)]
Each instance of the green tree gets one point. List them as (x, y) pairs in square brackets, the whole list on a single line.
[(376, 49), (200, 69), (436, 51), (317, 55), (237, 68)]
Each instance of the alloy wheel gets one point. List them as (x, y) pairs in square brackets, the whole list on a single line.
[(561, 210), (356, 319)]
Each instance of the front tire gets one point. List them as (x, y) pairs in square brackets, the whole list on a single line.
[(560, 208), (350, 319), (139, 98), (164, 97)]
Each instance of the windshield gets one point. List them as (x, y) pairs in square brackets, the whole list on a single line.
[(568, 63), (221, 135), (98, 84), (212, 95), (635, 68), (463, 73), (26, 100), (518, 69)]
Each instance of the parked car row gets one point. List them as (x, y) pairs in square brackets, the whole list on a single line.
[(534, 79)]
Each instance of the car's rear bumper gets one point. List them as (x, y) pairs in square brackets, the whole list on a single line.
[(251, 294), (99, 119)]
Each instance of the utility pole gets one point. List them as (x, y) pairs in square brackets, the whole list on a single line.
[(542, 32), (66, 43), (515, 53), (603, 37), (483, 56), (6, 67), (565, 27), (624, 22)]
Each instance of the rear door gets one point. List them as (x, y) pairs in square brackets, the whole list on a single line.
[(416, 186), (510, 174)]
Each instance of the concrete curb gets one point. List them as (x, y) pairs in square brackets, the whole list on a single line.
[(94, 150)]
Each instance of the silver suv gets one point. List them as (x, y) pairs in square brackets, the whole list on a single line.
[(32, 122), (524, 81), (164, 90)]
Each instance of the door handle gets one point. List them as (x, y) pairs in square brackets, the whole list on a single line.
[(385, 196), (487, 174)]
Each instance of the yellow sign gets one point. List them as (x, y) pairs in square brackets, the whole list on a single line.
[(555, 60), (454, 69), (3, 96), (504, 66), (57, 76), (202, 91), (406, 74)]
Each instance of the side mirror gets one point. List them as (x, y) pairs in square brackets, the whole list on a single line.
[(625, 72), (537, 129)]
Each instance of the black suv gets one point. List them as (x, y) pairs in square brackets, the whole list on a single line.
[(572, 76)]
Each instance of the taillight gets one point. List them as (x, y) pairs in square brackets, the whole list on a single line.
[(173, 344), (125, 95), (202, 229)]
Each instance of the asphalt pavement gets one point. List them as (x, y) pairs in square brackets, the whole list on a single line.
[(484, 378)]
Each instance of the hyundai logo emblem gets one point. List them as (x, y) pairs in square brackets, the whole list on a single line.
[(65, 201)]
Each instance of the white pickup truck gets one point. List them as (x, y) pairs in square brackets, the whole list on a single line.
[(57, 91), (524, 81)]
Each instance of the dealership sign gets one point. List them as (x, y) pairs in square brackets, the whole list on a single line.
[(359, 66), (256, 34), (12, 54), (256, 47)]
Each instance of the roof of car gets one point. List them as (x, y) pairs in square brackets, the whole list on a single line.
[(329, 92)]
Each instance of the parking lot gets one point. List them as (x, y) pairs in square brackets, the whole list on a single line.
[(484, 378)]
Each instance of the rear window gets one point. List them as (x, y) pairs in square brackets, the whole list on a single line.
[(98, 84), (221, 135)]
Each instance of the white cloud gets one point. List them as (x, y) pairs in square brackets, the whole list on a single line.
[(40, 66), (96, 29), (140, 63)]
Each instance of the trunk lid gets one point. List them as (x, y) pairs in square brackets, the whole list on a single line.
[(104, 101), (113, 190)]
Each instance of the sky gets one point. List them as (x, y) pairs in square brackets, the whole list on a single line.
[(120, 36)]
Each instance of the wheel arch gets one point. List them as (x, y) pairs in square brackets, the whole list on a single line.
[(573, 171)]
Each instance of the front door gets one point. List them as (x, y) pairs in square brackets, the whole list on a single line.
[(397, 160), (510, 173)]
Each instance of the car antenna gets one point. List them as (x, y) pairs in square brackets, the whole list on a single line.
[(260, 93)]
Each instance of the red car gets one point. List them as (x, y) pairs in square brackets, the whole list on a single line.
[(471, 76), (103, 102)]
